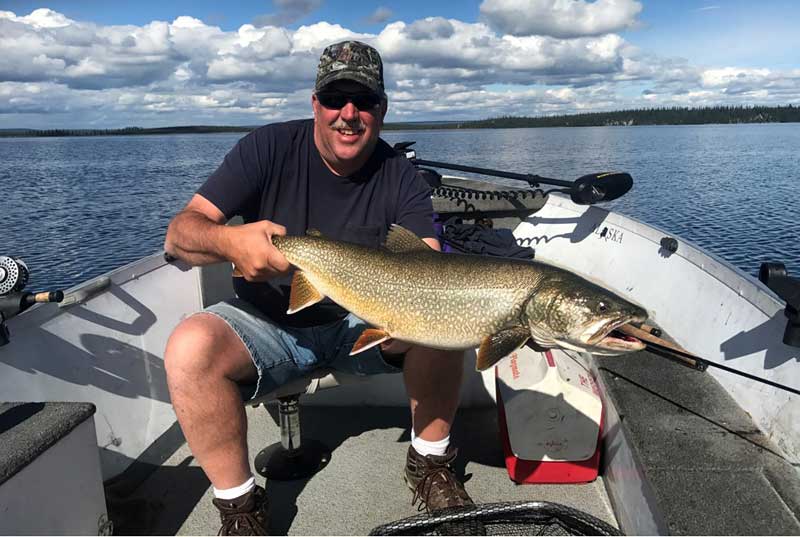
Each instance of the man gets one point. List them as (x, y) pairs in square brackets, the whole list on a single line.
[(332, 174)]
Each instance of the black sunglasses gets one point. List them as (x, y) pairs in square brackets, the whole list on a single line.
[(337, 101)]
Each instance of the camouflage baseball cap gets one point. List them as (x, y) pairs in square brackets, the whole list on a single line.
[(351, 60)]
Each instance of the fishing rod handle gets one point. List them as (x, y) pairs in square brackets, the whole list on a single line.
[(13, 304), (45, 296)]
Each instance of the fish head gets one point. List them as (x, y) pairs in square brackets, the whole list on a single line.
[(570, 312)]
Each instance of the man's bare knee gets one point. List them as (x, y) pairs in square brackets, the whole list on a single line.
[(204, 345), (188, 347)]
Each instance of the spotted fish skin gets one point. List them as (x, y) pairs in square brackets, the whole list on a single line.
[(446, 301)]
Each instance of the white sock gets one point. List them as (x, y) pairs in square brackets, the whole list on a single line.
[(235, 492), (425, 448)]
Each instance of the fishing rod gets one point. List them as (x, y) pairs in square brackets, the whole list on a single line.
[(669, 350), (586, 190)]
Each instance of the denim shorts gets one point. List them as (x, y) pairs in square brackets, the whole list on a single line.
[(282, 354)]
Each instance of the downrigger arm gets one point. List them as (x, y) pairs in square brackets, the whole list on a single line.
[(586, 190)]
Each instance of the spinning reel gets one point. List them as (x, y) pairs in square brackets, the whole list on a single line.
[(14, 275)]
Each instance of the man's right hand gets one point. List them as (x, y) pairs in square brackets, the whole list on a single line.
[(254, 256)]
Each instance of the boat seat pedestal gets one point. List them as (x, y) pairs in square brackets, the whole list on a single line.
[(294, 457), (291, 458)]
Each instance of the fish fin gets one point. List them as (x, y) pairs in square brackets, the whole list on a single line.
[(368, 339), (313, 232), (497, 346), (303, 293), (399, 239)]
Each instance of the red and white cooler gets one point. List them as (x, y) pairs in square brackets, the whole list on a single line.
[(550, 415)]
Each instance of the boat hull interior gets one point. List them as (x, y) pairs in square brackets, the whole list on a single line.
[(684, 451)]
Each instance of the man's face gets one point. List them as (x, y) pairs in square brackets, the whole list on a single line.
[(345, 132)]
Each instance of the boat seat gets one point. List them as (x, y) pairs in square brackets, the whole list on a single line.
[(293, 457), (319, 379)]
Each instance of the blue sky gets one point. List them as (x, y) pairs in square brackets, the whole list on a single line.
[(232, 15), (95, 64), (744, 33)]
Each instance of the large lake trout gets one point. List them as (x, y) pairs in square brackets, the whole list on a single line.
[(410, 292)]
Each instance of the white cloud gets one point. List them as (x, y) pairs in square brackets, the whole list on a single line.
[(54, 70), (731, 76), (288, 12), (84, 55), (380, 15), (40, 18), (429, 28), (560, 18), (317, 36), (473, 53)]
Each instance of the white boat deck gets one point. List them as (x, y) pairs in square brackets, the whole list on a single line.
[(361, 487)]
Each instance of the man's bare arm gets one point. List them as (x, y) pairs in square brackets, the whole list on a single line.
[(199, 236)]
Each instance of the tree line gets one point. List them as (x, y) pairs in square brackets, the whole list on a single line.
[(127, 131), (644, 116)]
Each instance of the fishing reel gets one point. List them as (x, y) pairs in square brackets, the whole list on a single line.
[(14, 275)]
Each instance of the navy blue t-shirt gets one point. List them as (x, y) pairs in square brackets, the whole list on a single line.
[(276, 173)]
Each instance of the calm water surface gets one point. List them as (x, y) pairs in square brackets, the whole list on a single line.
[(74, 208)]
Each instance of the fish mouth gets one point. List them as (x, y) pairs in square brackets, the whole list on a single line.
[(605, 339)]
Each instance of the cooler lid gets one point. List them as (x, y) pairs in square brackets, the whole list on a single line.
[(552, 405)]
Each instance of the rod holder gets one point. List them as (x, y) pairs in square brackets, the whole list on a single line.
[(775, 276)]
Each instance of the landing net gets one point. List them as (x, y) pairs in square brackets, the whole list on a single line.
[(509, 518)]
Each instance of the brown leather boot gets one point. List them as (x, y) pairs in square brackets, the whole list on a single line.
[(246, 515), (433, 481)]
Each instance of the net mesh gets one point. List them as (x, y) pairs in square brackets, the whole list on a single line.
[(510, 518)]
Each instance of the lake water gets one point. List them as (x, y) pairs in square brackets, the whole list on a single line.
[(74, 208)]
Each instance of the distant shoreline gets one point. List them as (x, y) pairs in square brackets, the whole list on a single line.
[(652, 116)]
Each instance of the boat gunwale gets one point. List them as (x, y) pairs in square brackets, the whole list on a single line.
[(757, 294)]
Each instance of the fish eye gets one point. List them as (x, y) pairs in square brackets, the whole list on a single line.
[(602, 307)]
